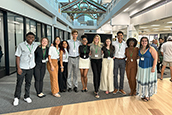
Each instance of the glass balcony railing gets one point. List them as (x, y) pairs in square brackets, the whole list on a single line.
[(56, 5), (109, 9), (53, 3)]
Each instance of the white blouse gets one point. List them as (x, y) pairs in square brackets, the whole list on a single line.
[(65, 55), (54, 52)]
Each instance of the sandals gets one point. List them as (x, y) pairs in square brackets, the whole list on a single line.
[(146, 99), (161, 78), (41, 95), (57, 95), (86, 90), (97, 95), (107, 92), (171, 80)]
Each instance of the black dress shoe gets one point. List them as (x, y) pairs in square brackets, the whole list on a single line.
[(86, 90), (82, 90), (69, 90), (75, 89)]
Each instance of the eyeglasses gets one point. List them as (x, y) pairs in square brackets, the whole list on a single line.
[(57, 40), (84, 40)]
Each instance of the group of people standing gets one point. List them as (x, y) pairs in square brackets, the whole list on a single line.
[(64, 58)]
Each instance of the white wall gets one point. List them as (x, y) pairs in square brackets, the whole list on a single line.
[(24, 9), (121, 19), (160, 12)]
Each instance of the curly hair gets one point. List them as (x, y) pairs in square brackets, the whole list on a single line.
[(131, 39), (62, 48)]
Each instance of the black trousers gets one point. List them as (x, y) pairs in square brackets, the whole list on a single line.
[(96, 65), (27, 74), (64, 75), (60, 78), (39, 73)]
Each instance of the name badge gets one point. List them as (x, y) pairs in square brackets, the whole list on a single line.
[(142, 58), (119, 52), (74, 50), (44, 61), (84, 56), (109, 58), (30, 55), (96, 55), (131, 60)]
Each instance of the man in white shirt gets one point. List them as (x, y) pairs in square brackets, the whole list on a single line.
[(166, 51), (73, 63), (119, 62), (25, 60)]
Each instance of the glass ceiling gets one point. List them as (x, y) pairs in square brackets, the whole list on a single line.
[(83, 12)]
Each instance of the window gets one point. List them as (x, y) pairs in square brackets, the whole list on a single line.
[(43, 30), (15, 37), (49, 33), (30, 26), (2, 53), (38, 33)]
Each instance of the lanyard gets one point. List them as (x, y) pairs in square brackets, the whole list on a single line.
[(85, 49), (44, 53), (29, 48), (96, 48), (120, 44), (131, 52), (74, 44), (108, 52), (57, 51)]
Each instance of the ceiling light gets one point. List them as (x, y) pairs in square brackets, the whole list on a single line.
[(170, 22), (166, 29), (155, 25), (167, 26), (138, 1), (143, 27), (126, 9)]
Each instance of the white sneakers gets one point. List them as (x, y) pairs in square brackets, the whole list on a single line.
[(16, 101), (28, 100)]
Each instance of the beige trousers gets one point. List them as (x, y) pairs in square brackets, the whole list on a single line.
[(53, 76), (107, 82)]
